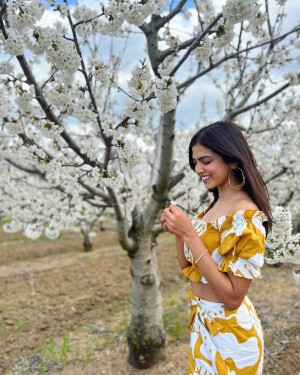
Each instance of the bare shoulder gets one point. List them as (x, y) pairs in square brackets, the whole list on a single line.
[(244, 204)]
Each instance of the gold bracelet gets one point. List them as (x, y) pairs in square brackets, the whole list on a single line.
[(201, 256)]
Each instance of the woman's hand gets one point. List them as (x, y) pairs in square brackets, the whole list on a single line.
[(175, 221)]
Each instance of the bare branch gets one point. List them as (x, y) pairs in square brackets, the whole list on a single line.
[(278, 174), (195, 43), (191, 80), (230, 115), (268, 20), (94, 191), (175, 180), (48, 80), (29, 170), (171, 15)]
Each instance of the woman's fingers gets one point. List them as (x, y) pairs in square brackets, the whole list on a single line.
[(171, 219)]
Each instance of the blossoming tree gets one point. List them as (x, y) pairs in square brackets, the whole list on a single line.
[(78, 139)]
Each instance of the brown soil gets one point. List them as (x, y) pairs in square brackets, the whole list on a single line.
[(63, 311)]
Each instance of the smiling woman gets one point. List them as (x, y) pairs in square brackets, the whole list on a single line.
[(221, 251), (210, 166)]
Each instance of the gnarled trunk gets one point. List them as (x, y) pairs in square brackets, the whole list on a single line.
[(146, 336)]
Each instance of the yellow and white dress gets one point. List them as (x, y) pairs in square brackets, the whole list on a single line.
[(222, 341)]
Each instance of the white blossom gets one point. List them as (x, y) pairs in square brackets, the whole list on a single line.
[(64, 56), (204, 51), (6, 67), (281, 245), (207, 11), (24, 100), (101, 73), (136, 12), (292, 77), (83, 13), (114, 182), (21, 14), (238, 10), (255, 26), (225, 35), (138, 111), (63, 10), (14, 43), (84, 113), (166, 93), (141, 83), (130, 153)]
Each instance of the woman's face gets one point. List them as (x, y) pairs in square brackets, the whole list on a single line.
[(210, 167)]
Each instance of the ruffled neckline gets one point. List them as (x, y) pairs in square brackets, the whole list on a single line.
[(249, 214)]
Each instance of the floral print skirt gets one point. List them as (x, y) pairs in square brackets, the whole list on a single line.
[(222, 341)]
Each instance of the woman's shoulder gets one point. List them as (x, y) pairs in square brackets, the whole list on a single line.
[(244, 205), (245, 214), (245, 210)]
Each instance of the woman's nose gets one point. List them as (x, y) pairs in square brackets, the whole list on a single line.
[(199, 169)]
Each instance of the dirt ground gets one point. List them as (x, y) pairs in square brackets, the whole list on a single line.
[(63, 311)]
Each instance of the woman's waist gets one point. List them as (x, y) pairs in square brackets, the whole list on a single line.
[(204, 292), (203, 296)]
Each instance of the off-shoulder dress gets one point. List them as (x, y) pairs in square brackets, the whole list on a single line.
[(223, 341)]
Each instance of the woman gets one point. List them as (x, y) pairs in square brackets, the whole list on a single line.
[(221, 251)]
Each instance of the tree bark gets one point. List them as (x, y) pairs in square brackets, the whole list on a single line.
[(146, 336), (87, 243)]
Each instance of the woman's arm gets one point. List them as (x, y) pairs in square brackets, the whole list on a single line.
[(183, 262), (230, 289)]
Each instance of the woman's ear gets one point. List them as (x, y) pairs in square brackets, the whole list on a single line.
[(233, 165)]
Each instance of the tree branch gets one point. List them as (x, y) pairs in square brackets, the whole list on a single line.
[(46, 107), (278, 174), (164, 168), (230, 115), (171, 15), (94, 191), (191, 80), (26, 169), (127, 243), (195, 44), (107, 140)]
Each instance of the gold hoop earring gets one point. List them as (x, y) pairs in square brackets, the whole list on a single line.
[(239, 186)]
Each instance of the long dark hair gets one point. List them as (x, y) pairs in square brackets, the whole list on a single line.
[(226, 139)]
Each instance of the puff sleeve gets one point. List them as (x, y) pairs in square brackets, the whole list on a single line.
[(192, 273), (243, 244)]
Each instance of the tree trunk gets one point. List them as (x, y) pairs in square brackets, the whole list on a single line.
[(87, 244), (146, 335)]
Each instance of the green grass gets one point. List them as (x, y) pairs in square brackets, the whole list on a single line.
[(3, 330), (49, 356), (175, 322)]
